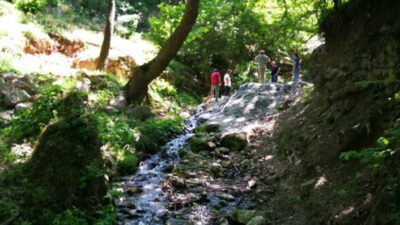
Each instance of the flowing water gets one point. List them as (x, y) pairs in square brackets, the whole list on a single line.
[(148, 204)]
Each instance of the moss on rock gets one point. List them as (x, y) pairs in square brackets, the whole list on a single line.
[(67, 164), (234, 141)]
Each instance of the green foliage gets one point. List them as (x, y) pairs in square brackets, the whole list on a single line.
[(116, 131), (229, 33), (374, 156), (6, 67), (391, 200), (164, 95), (128, 163), (121, 134), (30, 6), (164, 88), (29, 123), (305, 96), (69, 217), (390, 79), (155, 133)]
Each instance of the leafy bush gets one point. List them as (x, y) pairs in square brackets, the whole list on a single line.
[(117, 131), (31, 6), (155, 133), (128, 163), (29, 123), (375, 156)]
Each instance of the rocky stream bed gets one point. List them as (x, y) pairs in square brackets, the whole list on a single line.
[(205, 176)]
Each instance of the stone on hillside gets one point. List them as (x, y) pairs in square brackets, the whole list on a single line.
[(222, 150), (212, 127), (83, 85), (235, 141), (227, 197), (184, 115), (25, 84), (168, 168), (6, 116), (111, 109), (140, 112), (199, 143), (133, 191), (251, 183), (119, 102), (258, 220), (244, 216), (22, 106), (176, 222), (211, 145), (15, 89), (12, 99), (177, 182), (226, 164), (216, 169)]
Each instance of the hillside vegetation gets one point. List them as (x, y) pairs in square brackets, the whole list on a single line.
[(75, 149)]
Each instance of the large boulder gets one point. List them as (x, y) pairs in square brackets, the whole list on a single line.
[(235, 141), (245, 216), (258, 220), (201, 143), (15, 89), (67, 163), (140, 112)]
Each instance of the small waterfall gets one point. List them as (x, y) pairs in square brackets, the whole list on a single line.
[(147, 203)]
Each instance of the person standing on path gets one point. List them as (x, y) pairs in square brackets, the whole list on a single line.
[(227, 82), (274, 72), (296, 67), (261, 61), (215, 84)]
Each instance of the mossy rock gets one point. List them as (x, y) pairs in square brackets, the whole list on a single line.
[(141, 113), (235, 141), (258, 220), (199, 143), (147, 145), (208, 128), (128, 164), (244, 216), (67, 164)]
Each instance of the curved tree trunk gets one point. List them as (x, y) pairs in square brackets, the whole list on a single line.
[(108, 31), (136, 88)]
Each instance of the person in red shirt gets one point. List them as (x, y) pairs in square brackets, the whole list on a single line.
[(215, 83)]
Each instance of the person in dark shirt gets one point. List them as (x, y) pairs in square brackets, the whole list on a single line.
[(296, 67), (274, 72)]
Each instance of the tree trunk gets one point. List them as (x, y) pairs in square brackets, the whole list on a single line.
[(136, 88), (108, 31)]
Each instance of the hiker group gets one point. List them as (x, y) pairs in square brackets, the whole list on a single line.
[(262, 61)]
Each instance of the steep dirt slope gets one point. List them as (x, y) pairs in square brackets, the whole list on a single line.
[(355, 75)]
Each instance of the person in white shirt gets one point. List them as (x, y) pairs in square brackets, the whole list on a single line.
[(227, 82)]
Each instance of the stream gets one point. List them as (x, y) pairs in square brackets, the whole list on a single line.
[(154, 197)]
